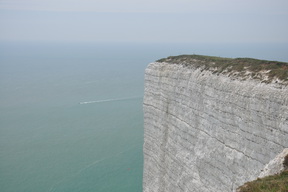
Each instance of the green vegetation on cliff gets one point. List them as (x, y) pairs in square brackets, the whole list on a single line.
[(275, 183), (245, 67)]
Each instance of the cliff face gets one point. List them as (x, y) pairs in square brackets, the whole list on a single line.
[(208, 132)]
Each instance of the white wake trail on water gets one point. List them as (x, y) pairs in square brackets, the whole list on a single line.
[(109, 100)]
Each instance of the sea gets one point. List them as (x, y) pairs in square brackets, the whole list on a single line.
[(71, 115)]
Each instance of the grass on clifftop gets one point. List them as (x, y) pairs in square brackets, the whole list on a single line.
[(255, 68), (275, 183)]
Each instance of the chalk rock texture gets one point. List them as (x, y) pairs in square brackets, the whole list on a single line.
[(277, 165), (205, 132)]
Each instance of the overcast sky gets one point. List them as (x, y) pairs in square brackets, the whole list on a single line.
[(201, 21)]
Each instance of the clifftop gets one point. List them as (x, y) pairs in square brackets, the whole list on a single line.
[(278, 182), (245, 68)]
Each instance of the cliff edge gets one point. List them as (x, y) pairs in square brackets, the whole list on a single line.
[(212, 124)]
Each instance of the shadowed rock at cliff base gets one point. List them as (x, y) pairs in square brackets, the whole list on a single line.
[(206, 131), (277, 165)]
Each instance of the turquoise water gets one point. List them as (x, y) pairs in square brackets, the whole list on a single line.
[(71, 114), (71, 119)]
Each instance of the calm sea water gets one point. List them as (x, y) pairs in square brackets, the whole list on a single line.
[(71, 114)]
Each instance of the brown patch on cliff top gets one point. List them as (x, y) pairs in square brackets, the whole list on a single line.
[(263, 70), (285, 162)]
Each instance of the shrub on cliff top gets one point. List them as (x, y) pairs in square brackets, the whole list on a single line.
[(256, 68), (275, 183)]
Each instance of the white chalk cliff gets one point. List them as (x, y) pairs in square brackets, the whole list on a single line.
[(207, 132)]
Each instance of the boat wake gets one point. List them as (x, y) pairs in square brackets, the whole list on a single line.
[(109, 100)]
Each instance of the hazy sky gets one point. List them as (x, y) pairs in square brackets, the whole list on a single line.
[(144, 20)]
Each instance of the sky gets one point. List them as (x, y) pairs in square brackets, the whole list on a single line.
[(198, 21)]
